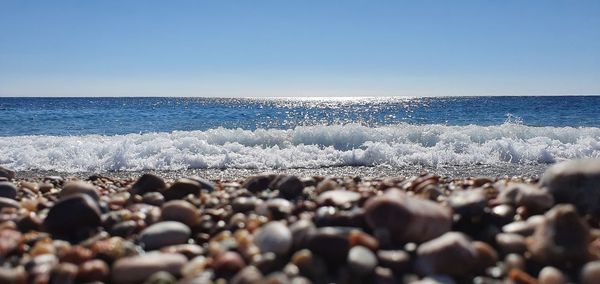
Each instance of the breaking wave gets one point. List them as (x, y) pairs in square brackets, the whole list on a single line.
[(303, 147)]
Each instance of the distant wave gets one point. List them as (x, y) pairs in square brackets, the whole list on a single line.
[(303, 147)]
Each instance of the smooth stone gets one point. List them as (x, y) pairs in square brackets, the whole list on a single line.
[(136, 269), (511, 243), (590, 273), (243, 204), (248, 275), (274, 237), (162, 234), (9, 203), (452, 254), (180, 211), (257, 184), (396, 260), (576, 182), (7, 173), (228, 264), (148, 183), (182, 188), (92, 271), (468, 203), (63, 273), (275, 209), (330, 244), (8, 190), (533, 198), (339, 197), (406, 218), (9, 241), (561, 238), (551, 275), (71, 214), (153, 198), (75, 187), (290, 187), (301, 230), (361, 260)]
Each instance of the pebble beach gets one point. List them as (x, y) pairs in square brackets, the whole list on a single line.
[(283, 228)]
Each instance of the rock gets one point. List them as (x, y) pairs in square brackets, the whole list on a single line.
[(408, 219), (136, 269), (468, 203), (361, 260), (576, 182), (75, 187), (590, 273), (161, 277), (9, 241), (69, 216), (274, 237), (275, 209), (38, 268), (338, 197), (8, 190), (524, 228), (9, 203), (6, 173), (148, 183), (153, 198), (180, 211), (182, 188), (290, 187), (164, 234), (561, 238), (533, 198), (189, 250), (452, 254), (330, 244), (551, 275), (63, 273), (228, 264), (243, 204), (13, 275), (511, 243), (248, 275), (486, 255), (257, 184), (206, 184), (396, 260), (93, 270)]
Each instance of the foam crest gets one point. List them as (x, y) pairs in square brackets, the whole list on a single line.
[(303, 147)]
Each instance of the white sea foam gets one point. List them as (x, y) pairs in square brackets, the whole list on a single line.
[(303, 147)]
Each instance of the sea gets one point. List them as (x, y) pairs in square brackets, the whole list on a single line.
[(231, 137)]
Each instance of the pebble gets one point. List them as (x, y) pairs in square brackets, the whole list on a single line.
[(330, 244), (511, 243), (452, 254), (248, 275), (7, 173), (9, 203), (274, 237), (136, 269), (164, 234), (561, 238), (8, 190), (468, 202), (257, 184), (182, 188), (9, 241), (77, 187), (533, 198), (228, 264), (398, 261), (180, 211), (63, 223), (590, 273), (339, 197), (290, 187), (361, 260), (148, 183), (408, 219), (92, 271), (576, 182), (551, 275)]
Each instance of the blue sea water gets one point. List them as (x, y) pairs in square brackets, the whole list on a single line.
[(99, 134)]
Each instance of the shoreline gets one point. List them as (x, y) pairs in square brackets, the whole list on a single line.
[(492, 171)]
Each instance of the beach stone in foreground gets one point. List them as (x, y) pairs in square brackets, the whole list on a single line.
[(576, 182), (561, 238), (8, 190), (138, 268), (75, 187), (408, 219), (69, 216), (274, 237), (148, 183), (7, 173), (452, 254), (164, 234)]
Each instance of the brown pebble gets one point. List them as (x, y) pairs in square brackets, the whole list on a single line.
[(148, 183), (551, 275), (228, 264), (180, 211), (75, 187)]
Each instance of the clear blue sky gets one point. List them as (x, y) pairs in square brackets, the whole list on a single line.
[(299, 48)]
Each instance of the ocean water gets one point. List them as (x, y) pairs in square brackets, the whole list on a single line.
[(170, 134)]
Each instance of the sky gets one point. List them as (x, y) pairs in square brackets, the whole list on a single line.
[(299, 48)]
